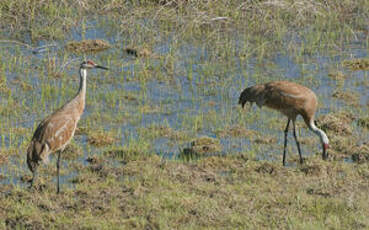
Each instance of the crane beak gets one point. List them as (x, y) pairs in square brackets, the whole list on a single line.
[(325, 154), (101, 67)]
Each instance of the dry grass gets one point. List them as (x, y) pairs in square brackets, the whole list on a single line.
[(215, 192)]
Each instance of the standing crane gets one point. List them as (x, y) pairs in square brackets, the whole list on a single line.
[(55, 132), (290, 99)]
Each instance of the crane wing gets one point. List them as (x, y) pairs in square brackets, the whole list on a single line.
[(56, 130)]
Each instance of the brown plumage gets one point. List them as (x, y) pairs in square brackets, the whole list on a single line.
[(55, 132), (290, 99)]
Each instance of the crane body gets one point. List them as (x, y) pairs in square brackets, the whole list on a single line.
[(55, 132), (290, 99)]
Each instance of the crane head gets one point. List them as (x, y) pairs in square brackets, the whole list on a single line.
[(91, 65), (252, 94)]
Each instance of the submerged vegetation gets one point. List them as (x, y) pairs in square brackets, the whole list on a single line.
[(162, 143)]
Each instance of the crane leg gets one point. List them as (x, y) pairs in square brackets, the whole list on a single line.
[(57, 169), (285, 142), (34, 178), (297, 142)]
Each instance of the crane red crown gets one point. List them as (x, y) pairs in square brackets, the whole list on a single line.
[(90, 62)]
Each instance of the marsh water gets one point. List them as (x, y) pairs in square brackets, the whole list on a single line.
[(189, 87)]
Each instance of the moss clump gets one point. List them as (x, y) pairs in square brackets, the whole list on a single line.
[(86, 46)]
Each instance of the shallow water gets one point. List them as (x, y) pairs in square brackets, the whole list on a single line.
[(197, 94)]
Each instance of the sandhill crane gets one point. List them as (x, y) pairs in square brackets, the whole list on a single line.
[(55, 132), (290, 99)]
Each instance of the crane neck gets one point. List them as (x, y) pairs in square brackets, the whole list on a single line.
[(323, 137), (82, 84)]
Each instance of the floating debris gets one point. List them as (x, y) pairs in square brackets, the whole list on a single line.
[(357, 64), (86, 46)]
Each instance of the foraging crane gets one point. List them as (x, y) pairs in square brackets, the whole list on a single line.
[(55, 132), (290, 99)]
